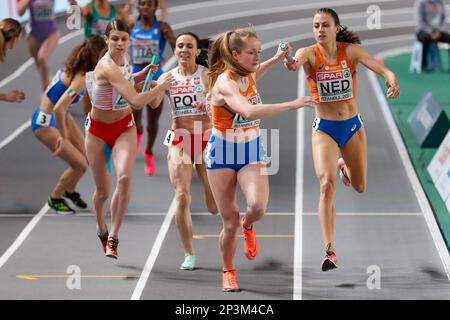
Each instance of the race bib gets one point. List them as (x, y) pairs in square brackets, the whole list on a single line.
[(43, 10), (335, 85), (239, 122), (183, 97), (99, 27), (87, 122), (144, 50), (169, 138), (316, 123), (44, 119), (120, 103)]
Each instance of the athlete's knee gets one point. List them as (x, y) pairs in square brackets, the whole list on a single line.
[(41, 60), (124, 181), (231, 227), (183, 198), (101, 196), (327, 187), (81, 167), (231, 221), (256, 209)]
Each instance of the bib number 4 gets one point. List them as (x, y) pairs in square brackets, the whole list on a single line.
[(169, 138)]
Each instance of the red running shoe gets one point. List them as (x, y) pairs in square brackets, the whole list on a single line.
[(250, 243)]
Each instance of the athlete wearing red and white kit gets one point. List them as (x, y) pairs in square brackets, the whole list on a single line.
[(188, 89), (106, 97)]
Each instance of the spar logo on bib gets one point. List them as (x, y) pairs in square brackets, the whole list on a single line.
[(335, 85)]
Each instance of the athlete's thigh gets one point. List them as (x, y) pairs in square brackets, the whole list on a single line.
[(48, 45), (354, 153), (49, 136), (33, 46), (223, 185), (180, 173), (201, 172), (325, 153), (95, 150), (124, 152), (254, 184)]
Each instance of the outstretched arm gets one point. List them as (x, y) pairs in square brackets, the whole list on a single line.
[(359, 54), (229, 90), (111, 73), (263, 67)]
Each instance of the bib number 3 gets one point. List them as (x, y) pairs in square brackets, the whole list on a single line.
[(44, 119)]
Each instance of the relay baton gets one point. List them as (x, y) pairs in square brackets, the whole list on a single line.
[(148, 79), (284, 47)]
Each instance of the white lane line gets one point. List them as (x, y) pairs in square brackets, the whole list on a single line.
[(271, 10), (414, 180), (201, 5), (154, 253), (345, 17), (298, 242), (30, 62), (23, 235), (15, 133), (18, 73)]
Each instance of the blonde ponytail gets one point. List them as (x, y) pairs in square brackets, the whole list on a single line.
[(221, 54)]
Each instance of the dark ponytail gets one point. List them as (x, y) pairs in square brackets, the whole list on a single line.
[(84, 57), (344, 34)]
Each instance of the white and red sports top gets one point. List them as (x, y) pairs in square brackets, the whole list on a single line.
[(187, 90), (106, 97)]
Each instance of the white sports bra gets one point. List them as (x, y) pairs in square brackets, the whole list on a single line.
[(106, 97)]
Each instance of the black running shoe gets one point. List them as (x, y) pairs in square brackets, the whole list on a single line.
[(76, 199), (60, 206)]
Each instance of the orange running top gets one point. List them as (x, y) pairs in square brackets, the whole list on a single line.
[(226, 118), (330, 83)]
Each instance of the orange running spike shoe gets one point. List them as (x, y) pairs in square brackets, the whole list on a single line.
[(229, 283), (250, 243)]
